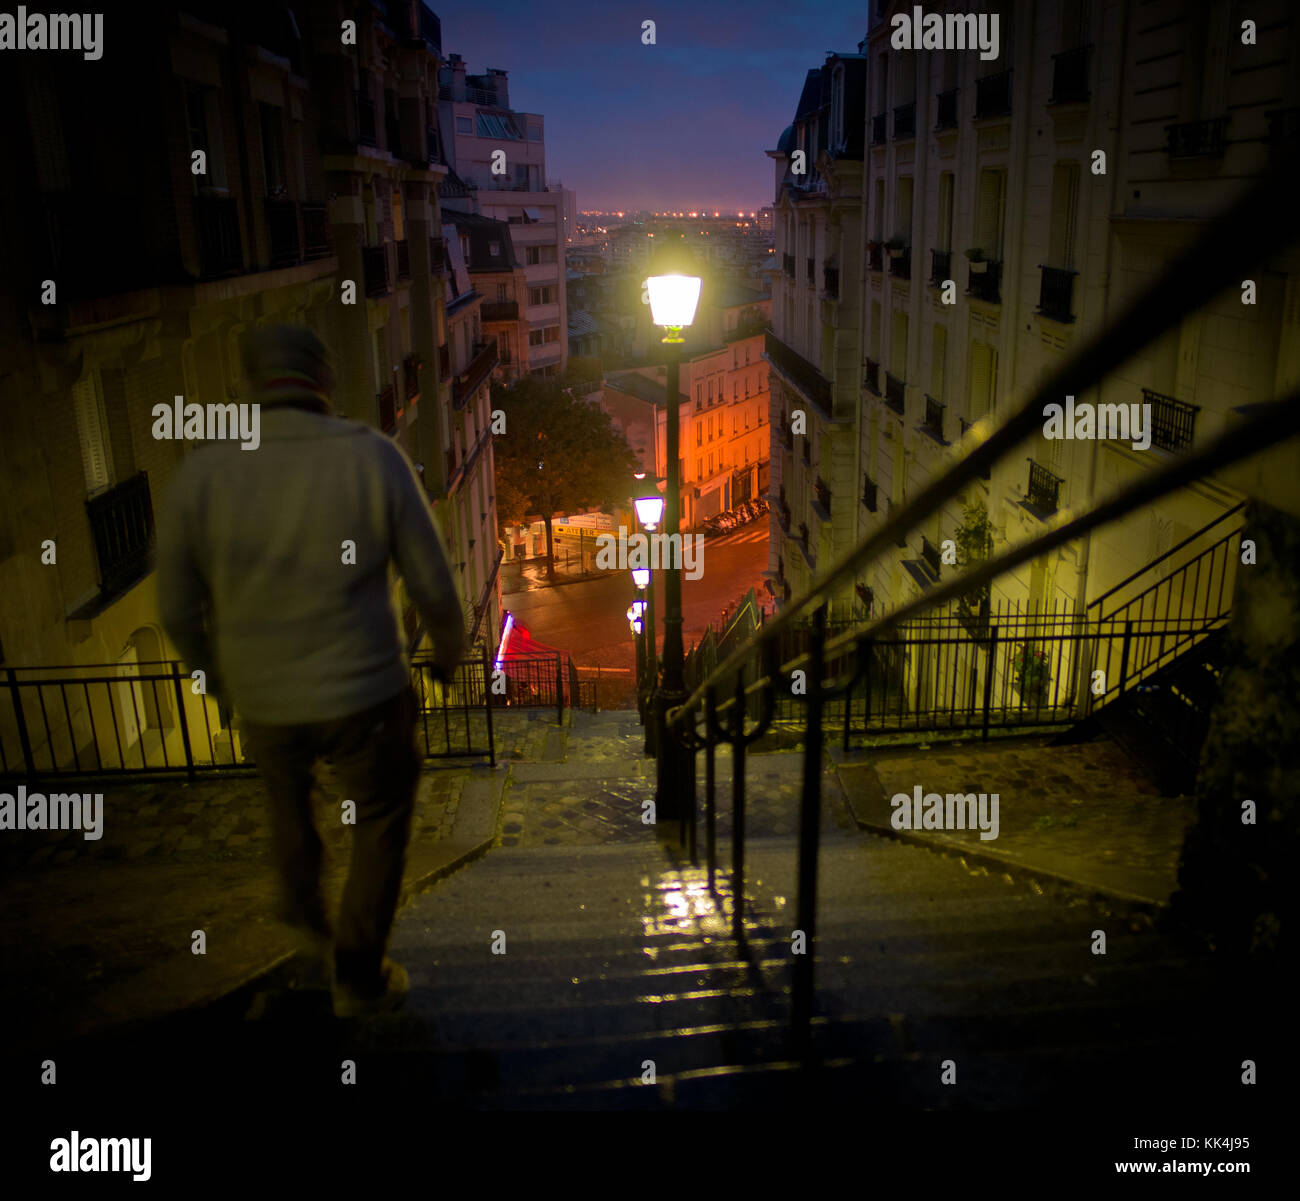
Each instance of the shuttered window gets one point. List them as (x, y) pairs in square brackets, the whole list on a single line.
[(898, 346), (983, 379), (991, 202), (92, 430)]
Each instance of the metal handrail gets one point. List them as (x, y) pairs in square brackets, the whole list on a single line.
[(1256, 226)]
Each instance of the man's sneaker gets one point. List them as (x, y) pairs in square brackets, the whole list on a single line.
[(313, 964), (348, 1003)]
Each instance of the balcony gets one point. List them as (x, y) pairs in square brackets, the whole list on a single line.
[(966, 425), (905, 121), (831, 282), (787, 265), (403, 259), (366, 121), (480, 367), (121, 526), (940, 265), (946, 115), (374, 264), (411, 367), (1056, 293), (871, 377), (876, 255), (1070, 76), (870, 493), (900, 263), (220, 247), (386, 406), (1197, 139), (1044, 491), (1173, 422), (282, 228), (878, 129), (315, 232), (786, 436), (895, 397), (823, 496), (500, 310), (933, 423), (985, 281), (811, 382), (783, 514), (993, 95)]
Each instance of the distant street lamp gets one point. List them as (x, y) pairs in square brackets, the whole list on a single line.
[(674, 286)]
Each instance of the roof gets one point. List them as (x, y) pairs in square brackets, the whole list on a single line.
[(490, 248), (785, 143), (644, 389), (730, 295), (812, 97)]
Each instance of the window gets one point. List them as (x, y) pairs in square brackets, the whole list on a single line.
[(983, 379), (903, 200), (710, 390), (990, 207), (699, 433), (503, 349), (494, 249), (710, 463), (503, 293), (537, 255), (96, 458), (534, 132), (710, 427), (464, 125), (273, 150), (541, 296), (202, 116), (940, 353), (540, 337), (699, 394), (699, 469), (735, 389)]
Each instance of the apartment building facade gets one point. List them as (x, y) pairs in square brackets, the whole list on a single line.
[(500, 155), (293, 179), (1011, 207)]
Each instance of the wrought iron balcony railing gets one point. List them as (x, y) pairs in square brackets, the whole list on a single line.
[(993, 95), (900, 263), (1044, 491), (985, 280), (946, 110), (121, 527), (282, 228), (374, 265), (1197, 139), (895, 396), (811, 382), (1056, 293), (315, 232), (1070, 76), (878, 129), (1173, 422), (870, 492), (905, 121), (940, 265), (220, 247), (933, 423), (480, 367)]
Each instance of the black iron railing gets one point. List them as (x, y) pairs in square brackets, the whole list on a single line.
[(220, 247), (871, 376), (878, 123), (1197, 139), (869, 493), (905, 121), (933, 423), (480, 367), (946, 110), (1070, 76), (800, 372), (993, 95), (282, 228), (940, 265), (895, 395), (737, 701), (900, 263), (121, 527), (366, 120), (1056, 293), (985, 280), (315, 232), (1044, 488), (1173, 422), (831, 281), (374, 266)]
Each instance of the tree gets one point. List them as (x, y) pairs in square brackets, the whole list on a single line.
[(974, 541), (559, 453)]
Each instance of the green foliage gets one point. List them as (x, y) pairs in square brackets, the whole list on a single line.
[(1033, 671), (559, 453), (974, 542)]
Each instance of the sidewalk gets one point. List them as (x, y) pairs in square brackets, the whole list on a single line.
[(1084, 815), (525, 575)]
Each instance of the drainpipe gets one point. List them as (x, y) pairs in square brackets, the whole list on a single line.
[(1094, 453)]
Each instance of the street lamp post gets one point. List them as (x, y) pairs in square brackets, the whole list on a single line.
[(649, 511), (673, 287)]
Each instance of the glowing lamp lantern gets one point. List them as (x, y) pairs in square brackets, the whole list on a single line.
[(649, 510), (641, 577), (673, 286)]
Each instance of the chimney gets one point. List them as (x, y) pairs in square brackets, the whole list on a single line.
[(500, 86)]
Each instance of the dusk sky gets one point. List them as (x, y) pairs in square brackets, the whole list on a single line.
[(681, 124)]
